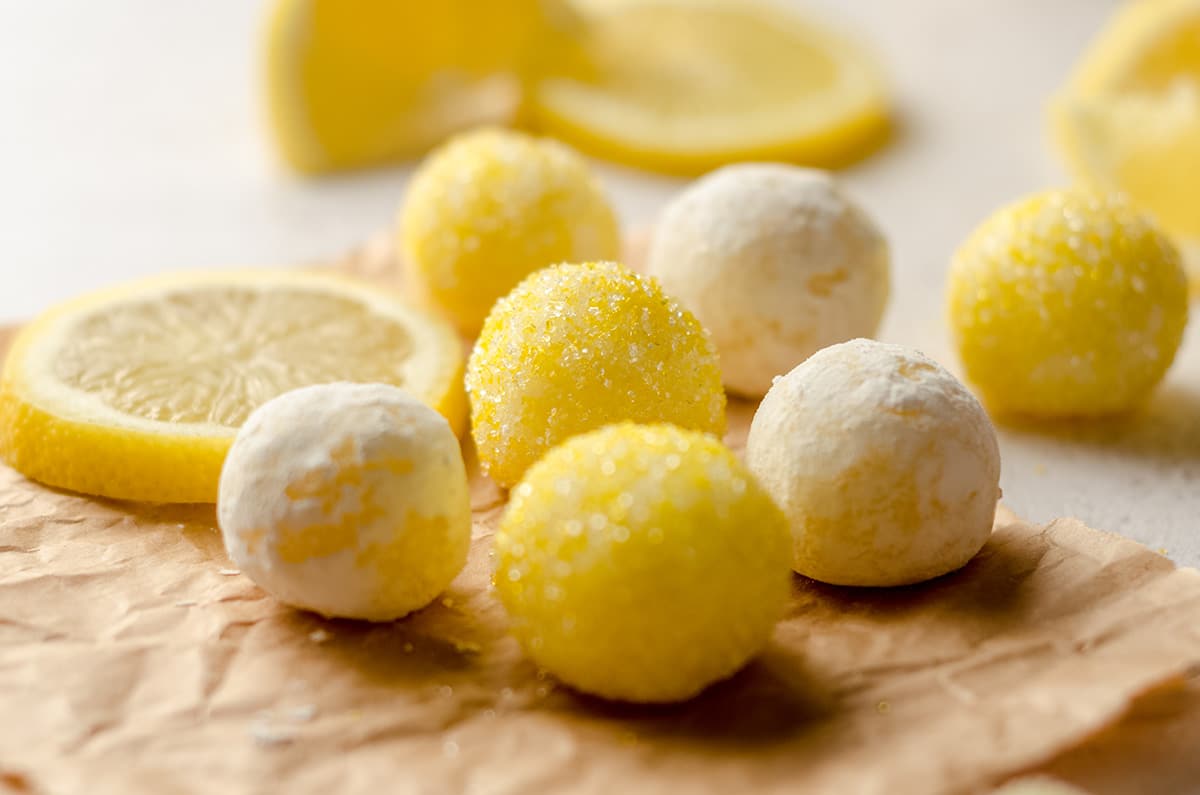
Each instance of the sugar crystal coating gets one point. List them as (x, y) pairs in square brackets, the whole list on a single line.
[(576, 347), (490, 207), (641, 563), (1068, 303)]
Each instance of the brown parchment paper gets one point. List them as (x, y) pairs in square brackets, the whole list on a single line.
[(133, 659)]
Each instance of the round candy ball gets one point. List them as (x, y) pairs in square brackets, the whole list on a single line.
[(576, 347), (642, 563), (886, 466), (490, 207), (349, 500), (1068, 303), (776, 262)]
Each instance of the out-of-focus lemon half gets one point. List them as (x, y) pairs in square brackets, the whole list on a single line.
[(352, 83), (1129, 117)]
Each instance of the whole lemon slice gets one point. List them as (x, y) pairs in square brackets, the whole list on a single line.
[(137, 392), (1129, 118), (351, 83), (684, 86)]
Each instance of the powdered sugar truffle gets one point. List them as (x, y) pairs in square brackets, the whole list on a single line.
[(776, 262), (346, 499), (886, 466)]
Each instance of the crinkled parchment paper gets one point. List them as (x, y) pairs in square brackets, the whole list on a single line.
[(133, 659)]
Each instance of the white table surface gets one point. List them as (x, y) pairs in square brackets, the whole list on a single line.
[(132, 143)]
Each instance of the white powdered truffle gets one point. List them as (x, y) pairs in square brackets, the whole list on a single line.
[(349, 500), (776, 263), (886, 466)]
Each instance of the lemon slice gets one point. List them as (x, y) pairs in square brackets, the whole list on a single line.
[(137, 392), (356, 82), (1129, 118), (684, 86)]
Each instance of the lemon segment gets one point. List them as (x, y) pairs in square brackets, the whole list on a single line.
[(136, 392), (352, 83), (1129, 118), (684, 86)]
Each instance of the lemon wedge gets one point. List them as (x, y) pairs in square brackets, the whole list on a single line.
[(352, 83), (684, 86), (137, 392), (1129, 117)]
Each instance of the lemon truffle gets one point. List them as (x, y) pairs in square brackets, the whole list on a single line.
[(776, 262), (490, 207), (348, 500), (577, 347), (1068, 303), (886, 466), (642, 563)]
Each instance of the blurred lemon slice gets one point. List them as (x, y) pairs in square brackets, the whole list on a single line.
[(1129, 118), (687, 85), (136, 392), (352, 83)]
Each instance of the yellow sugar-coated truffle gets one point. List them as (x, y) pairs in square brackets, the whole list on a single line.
[(350, 500), (490, 207), (1068, 303), (576, 347), (642, 563)]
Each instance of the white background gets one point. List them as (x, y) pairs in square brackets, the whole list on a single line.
[(131, 142)]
